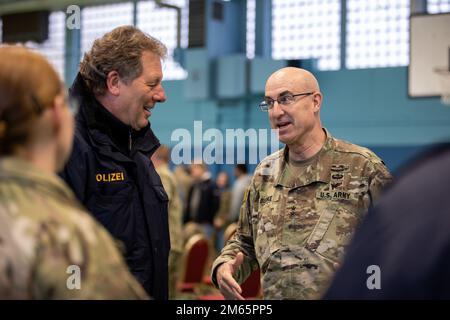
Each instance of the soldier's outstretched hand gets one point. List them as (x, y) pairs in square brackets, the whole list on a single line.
[(230, 289)]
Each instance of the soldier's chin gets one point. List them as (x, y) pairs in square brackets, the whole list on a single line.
[(284, 139)]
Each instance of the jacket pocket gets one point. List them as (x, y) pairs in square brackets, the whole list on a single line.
[(333, 233), (111, 210)]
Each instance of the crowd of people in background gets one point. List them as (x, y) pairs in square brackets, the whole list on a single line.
[(210, 205)]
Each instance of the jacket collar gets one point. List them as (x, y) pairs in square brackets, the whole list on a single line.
[(107, 133)]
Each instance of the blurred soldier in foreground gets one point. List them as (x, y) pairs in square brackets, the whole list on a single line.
[(160, 160), (402, 249), (47, 239), (304, 201)]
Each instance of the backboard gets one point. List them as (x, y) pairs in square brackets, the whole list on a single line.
[(429, 52)]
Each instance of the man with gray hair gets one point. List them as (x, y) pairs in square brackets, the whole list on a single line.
[(110, 171)]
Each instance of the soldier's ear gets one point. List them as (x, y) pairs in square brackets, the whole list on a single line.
[(112, 83), (317, 100), (57, 113)]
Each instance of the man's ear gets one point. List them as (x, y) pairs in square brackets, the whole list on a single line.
[(112, 83), (317, 99)]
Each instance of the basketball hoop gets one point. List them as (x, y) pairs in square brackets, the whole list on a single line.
[(444, 77)]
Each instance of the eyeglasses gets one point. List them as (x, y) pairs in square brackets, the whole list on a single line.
[(284, 100)]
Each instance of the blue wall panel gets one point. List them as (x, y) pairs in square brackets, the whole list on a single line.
[(369, 107)]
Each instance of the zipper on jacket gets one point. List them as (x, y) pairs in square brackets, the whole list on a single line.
[(130, 142)]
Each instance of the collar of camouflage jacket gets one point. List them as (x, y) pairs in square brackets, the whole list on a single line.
[(25, 173), (317, 170)]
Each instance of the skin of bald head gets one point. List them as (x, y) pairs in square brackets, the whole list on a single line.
[(298, 77), (298, 124)]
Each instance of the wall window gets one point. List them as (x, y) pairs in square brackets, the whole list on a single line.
[(53, 47), (377, 33), (251, 10), (161, 23), (98, 20), (307, 29), (438, 6)]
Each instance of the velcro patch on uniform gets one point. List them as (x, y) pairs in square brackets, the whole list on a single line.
[(340, 168), (335, 195), (110, 177)]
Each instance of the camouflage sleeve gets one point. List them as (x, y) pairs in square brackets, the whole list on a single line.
[(14, 262), (242, 241), (379, 178), (80, 263)]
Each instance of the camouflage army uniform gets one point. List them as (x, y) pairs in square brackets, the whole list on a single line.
[(175, 226), (43, 231), (296, 227)]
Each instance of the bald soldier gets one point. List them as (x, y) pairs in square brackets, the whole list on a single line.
[(304, 201)]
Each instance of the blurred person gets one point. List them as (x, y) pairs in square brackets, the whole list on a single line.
[(44, 231), (110, 171), (402, 249), (184, 181), (203, 199), (304, 201), (161, 159), (241, 183), (222, 217)]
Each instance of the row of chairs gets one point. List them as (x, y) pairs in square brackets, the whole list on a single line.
[(196, 255)]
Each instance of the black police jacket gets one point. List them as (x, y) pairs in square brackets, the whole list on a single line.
[(111, 173)]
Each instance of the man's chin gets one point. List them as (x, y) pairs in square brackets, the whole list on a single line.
[(285, 139), (141, 125)]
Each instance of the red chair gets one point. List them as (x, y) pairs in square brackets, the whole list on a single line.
[(228, 233), (251, 288), (195, 259)]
